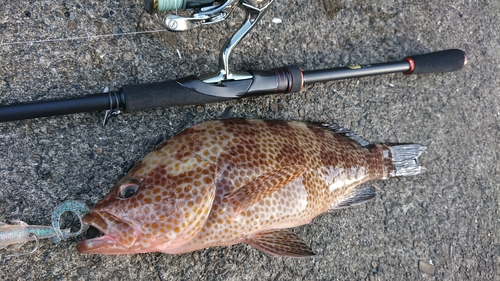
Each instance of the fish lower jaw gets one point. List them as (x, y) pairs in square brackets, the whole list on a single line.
[(96, 245)]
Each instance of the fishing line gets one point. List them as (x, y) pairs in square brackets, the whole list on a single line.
[(170, 5), (31, 42), (164, 5)]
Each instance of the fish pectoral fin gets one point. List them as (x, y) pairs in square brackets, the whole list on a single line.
[(357, 197), (263, 186), (280, 242)]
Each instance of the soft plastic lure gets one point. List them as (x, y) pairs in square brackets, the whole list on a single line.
[(21, 232)]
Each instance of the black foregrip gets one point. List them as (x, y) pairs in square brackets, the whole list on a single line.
[(163, 94), (438, 62)]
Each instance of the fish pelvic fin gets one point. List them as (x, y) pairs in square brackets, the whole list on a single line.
[(405, 159), (357, 197), (280, 242), (263, 186)]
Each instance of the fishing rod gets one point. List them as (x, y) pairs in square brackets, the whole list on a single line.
[(224, 84)]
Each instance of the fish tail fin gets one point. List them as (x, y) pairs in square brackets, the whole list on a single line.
[(405, 159)]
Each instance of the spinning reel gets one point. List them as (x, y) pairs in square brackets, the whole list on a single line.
[(207, 12)]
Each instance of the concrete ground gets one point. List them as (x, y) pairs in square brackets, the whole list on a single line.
[(442, 225)]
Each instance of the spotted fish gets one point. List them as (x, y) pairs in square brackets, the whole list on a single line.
[(226, 182)]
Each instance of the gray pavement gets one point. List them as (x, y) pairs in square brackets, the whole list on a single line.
[(442, 225)]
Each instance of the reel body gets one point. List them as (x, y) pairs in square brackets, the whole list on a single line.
[(208, 12)]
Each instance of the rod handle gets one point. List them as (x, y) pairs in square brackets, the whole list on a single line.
[(163, 94), (437, 62)]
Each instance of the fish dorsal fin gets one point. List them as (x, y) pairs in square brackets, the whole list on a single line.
[(357, 197), (348, 133), (263, 186), (279, 242)]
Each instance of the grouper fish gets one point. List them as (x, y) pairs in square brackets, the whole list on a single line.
[(226, 182)]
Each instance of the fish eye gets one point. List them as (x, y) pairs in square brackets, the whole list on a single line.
[(128, 189)]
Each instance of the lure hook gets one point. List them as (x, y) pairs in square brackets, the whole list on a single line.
[(37, 244)]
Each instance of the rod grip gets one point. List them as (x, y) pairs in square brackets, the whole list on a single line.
[(163, 94), (437, 62)]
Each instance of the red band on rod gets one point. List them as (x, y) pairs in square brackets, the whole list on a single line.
[(412, 65)]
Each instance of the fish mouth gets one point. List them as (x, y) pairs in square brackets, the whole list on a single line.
[(115, 235)]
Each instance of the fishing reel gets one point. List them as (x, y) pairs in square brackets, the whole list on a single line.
[(208, 12)]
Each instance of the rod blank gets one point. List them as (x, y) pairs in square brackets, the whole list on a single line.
[(323, 75), (95, 102)]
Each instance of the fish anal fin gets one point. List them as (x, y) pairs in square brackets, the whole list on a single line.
[(357, 197), (280, 242), (263, 186)]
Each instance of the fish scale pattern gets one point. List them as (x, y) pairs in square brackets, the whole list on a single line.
[(233, 181)]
